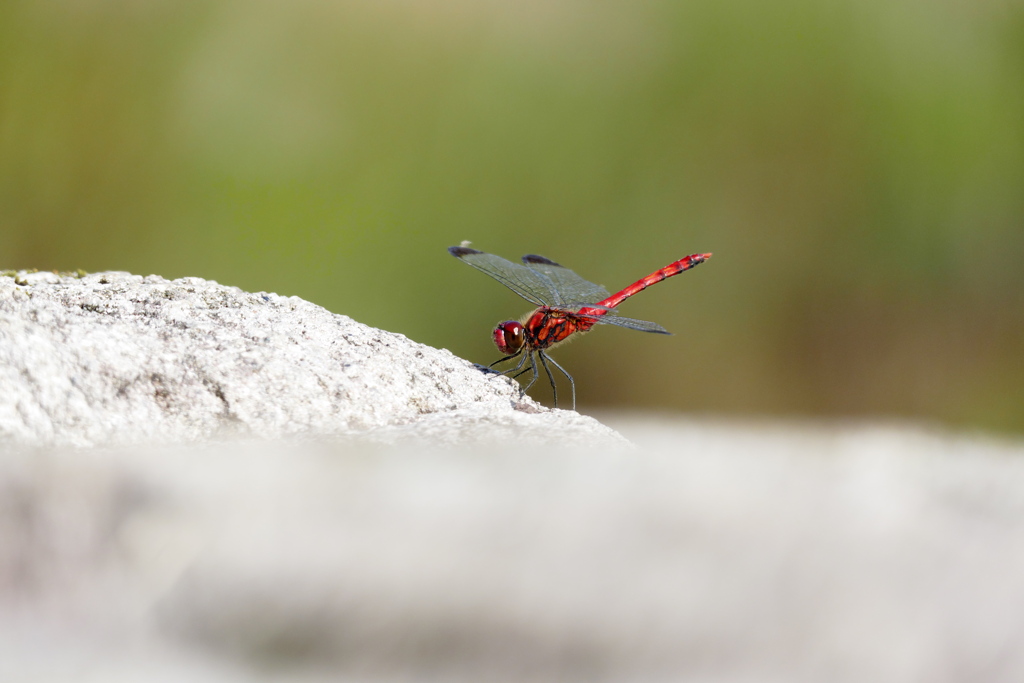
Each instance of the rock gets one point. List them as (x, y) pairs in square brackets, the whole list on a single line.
[(715, 552), (391, 544), (113, 358)]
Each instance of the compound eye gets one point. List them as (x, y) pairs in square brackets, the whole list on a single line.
[(508, 337)]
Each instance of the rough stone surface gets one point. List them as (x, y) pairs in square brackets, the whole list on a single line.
[(114, 358)]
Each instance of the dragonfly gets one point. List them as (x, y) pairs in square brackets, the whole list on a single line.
[(566, 305)]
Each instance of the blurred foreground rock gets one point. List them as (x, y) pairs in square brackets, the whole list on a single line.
[(113, 358), (712, 553)]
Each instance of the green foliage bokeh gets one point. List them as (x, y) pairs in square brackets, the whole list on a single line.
[(856, 166)]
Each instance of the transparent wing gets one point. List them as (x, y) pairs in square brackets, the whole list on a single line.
[(532, 285), (570, 288), (630, 323)]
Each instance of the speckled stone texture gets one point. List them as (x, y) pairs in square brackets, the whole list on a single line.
[(114, 358)]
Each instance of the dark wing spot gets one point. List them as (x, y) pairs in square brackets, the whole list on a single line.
[(459, 252), (533, 258)]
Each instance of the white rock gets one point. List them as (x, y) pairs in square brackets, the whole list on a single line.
[(711, 552), (115, 358), (715, 552)]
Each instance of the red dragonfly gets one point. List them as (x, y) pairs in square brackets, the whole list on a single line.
[(566, 304)]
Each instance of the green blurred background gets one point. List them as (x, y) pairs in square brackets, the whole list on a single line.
[(856, 166)]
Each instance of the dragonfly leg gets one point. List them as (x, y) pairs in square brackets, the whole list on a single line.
[(502, 360), (571, 382), (533, 366), (554, 388), (519, 369), (520, 373), (522, 362)]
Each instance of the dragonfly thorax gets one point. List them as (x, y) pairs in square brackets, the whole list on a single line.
[(509, 337)]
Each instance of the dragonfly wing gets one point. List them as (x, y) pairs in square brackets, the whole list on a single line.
[(534, 286), (630, 323), (569, 287)]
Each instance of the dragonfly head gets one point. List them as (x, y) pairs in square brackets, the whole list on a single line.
[(508, 337)]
